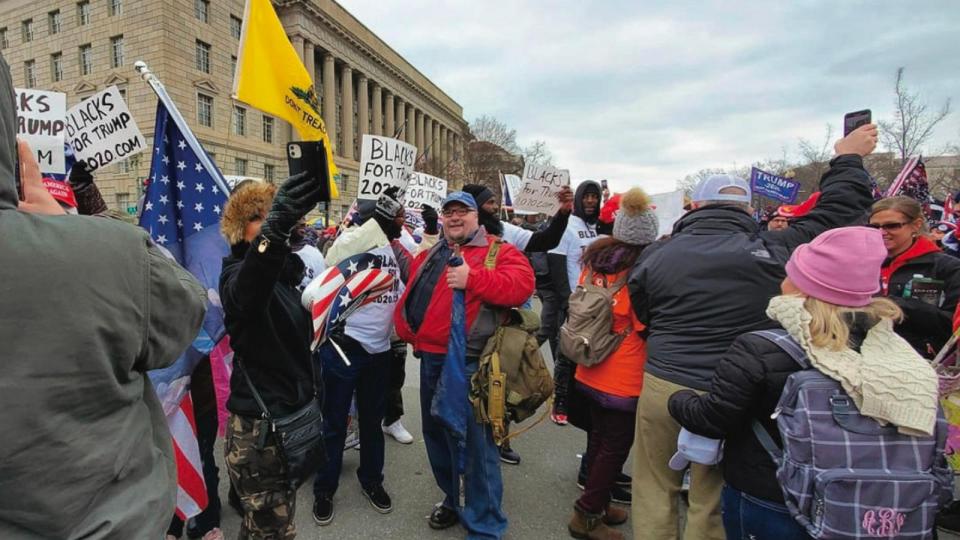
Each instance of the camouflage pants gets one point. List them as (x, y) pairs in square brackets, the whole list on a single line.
[(260, 480)]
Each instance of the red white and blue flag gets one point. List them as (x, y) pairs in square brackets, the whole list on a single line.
[(181, 211), (341, 289)]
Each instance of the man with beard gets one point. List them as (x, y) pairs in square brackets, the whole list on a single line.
[(525, 240), (564, 261)]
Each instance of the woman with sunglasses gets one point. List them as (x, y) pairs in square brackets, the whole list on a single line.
[(917, 275)]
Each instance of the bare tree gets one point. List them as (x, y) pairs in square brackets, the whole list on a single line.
[(537, 153), (817, 156), (913, 123), (690, 181), (489, 129)]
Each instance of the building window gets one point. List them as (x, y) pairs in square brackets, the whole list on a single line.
[(233, 66), (4, 43), (123, 202), (28, 30), (235, 26), (54, 18), (56, 66), (116, 51), (240, 165), (205, 110), (267, 129), (269, 172), (83, 13), (201, 8), (30, 73), (115, 7), (86, 59), (123, 94), (239, 120), (203, 56)]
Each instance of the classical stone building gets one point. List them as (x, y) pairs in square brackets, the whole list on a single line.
[(81, 47)]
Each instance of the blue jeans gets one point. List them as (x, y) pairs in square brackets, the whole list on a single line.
[(747, 517), (483, 488), (368, 375)]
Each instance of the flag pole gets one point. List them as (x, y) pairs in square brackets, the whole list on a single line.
[(141, 67)]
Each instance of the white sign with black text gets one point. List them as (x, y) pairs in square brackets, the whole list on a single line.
[(40, 123), (540, 187), (425, 190), (384, 162), (101, 130)]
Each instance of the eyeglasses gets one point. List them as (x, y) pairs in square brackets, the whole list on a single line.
[(889, 227), (459, 212)]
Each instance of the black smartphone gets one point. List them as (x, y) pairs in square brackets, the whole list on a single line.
[(603, 183), (853, 120), (310, 156)]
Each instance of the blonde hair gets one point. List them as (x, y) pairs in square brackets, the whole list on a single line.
[(829, 326)]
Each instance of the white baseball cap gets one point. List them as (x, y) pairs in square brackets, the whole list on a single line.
[(696, 448), (709, 189)]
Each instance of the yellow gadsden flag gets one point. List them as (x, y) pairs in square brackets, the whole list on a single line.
[(271, 77)]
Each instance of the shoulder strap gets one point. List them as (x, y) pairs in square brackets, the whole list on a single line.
[(490, 262), (782, 339), (776, 454), (253, 390)]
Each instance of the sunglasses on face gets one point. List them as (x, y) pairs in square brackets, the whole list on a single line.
[(889, 227), (459, 212)]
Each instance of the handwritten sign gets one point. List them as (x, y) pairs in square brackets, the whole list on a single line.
[(101, 130), (425, 190), (40, 123), (511, 185), (773, 186), (384, 162), (668, 207), (539, 191)]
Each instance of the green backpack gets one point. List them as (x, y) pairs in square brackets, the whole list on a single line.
[(512, 380)]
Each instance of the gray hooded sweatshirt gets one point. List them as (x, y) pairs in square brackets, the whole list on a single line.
[(87, 306)]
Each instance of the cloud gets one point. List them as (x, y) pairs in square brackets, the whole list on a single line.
[(645, 95)]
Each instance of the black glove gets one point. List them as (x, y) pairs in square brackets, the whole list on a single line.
[(430, 220), (80, 177), (297, 196)]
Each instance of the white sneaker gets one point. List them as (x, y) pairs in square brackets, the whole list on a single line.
[(398, 432)]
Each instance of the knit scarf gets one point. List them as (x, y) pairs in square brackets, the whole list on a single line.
[(887, 379)]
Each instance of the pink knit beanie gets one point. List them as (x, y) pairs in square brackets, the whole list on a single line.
[(841, 266)]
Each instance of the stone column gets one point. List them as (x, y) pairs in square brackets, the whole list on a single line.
[(411, 125), (428, 139), (330, 100), (388, 128), (346, 108), (309, 60), (377, 110), (401, 118), (421, 146), (444, 151), (436, 146), (363, 114)]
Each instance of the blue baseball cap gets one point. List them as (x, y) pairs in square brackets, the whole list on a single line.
[(461, 197), (709, 189)]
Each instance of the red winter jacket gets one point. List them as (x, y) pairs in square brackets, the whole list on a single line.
[(509, 284)]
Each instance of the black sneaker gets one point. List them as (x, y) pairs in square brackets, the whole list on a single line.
[(623, 481), (620, 496), (948, 519), (509, 455), (323, 509), (378, 498), (581, 480), (443, 517)]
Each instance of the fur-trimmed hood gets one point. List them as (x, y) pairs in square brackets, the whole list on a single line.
[(250, 200)]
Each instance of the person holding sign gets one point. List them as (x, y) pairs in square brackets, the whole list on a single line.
[(366, 344)]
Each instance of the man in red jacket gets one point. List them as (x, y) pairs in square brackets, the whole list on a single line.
[(423, 318)]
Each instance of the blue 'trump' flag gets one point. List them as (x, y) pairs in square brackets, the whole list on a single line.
[(181, 211)]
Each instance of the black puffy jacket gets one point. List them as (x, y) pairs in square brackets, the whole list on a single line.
[(712, 279), (746, 386), (926, 326)]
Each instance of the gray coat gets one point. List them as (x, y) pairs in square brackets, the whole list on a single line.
[(87, 306)]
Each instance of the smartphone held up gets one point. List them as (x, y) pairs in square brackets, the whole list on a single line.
[(853, 120), (310, 156)]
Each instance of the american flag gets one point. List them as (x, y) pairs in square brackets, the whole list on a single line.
[(181, 211), (341, 289), (912, 176)]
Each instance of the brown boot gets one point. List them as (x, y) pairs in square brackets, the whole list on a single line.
[(615, 515), (591, 527)]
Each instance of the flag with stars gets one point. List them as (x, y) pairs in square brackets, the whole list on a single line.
[(181, 211)]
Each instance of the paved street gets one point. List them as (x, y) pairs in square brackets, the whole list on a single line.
[(538, 494)]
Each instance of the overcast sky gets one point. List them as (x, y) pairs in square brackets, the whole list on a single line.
[(644, 95)]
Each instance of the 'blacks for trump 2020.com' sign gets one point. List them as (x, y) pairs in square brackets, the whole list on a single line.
[(773, 186)]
